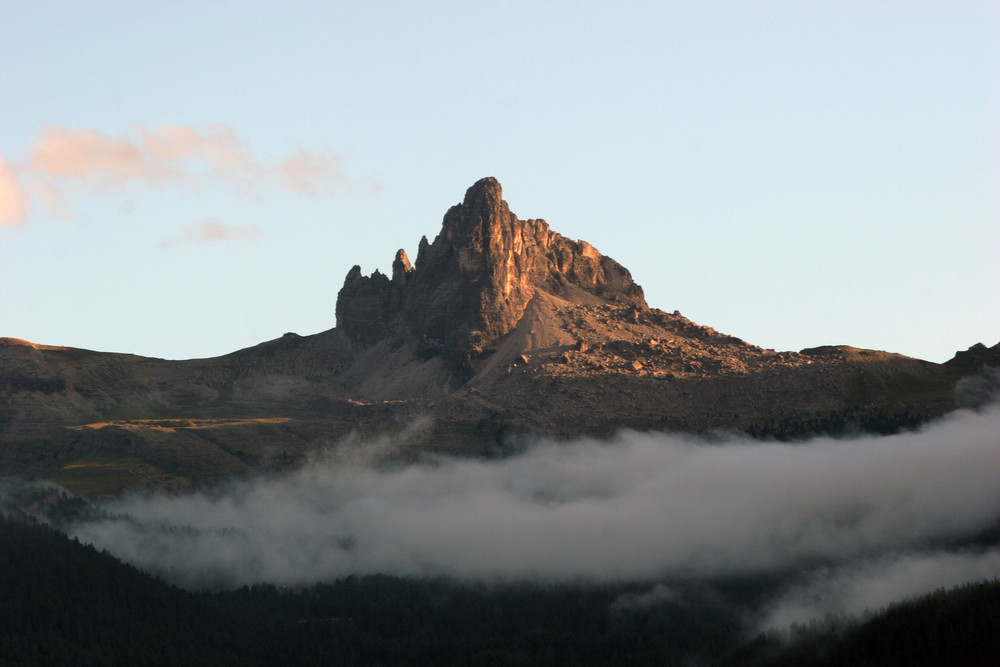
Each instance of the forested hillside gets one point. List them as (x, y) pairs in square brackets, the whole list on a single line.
[(62, 602), (953, 627)]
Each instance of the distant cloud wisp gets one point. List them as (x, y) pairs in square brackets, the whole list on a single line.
[(64, 161), (94, 160), (306, 173), (98, 161), (211, 230), (13, 200)]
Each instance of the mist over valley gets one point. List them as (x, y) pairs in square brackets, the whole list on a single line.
[(866, 520)]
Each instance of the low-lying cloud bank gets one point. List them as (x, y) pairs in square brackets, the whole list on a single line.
[(640, 507)]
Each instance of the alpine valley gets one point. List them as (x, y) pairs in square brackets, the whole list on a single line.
[(501, 455)]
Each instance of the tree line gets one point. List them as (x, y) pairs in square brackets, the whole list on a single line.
[(63, 602)]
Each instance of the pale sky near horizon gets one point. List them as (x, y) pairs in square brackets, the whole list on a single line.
[(183, 179)]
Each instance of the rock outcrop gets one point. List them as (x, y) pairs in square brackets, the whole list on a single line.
[(472, 285), (976, 357)]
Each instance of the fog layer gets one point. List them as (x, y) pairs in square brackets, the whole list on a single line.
[(638, 507)]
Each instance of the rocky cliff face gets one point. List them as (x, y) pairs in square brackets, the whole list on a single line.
[(472, 285)]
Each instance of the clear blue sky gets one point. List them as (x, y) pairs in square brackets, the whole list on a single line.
[(184, 179)]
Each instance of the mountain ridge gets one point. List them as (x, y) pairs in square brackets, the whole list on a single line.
[(501, 328)]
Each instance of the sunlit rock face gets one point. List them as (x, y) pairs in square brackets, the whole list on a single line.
[(472, 284)]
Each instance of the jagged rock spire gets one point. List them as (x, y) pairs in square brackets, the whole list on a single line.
[(400, 267), (471, 285)]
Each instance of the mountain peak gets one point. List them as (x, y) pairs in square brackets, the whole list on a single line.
[(483, 213), (484, 192), (471, 285)]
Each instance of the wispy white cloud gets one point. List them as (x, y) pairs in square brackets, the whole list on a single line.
[(211, 230), (309, 173), (97, 161), (64, 162), (13, 200), (216, 146)]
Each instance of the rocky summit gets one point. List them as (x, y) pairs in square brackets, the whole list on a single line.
[(474, 283), (500, 331)]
